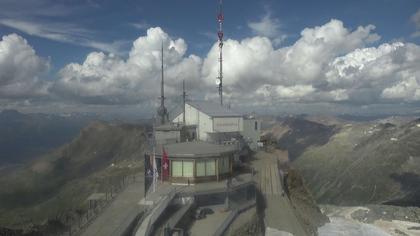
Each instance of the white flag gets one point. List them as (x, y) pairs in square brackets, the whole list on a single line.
[(155, 171)]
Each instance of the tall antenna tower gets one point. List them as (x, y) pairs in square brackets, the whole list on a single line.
[(162, 111), (184, 99), (219, 80)]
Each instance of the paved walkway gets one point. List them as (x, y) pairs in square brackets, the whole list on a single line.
[(209, 225), (269, 180), (279, 213), (118, 216)]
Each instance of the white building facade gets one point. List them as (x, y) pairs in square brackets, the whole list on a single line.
[(219, 124), (251, 132)]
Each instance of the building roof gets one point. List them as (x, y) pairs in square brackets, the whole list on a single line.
[(196, 149), (213, 109), (175, 112)]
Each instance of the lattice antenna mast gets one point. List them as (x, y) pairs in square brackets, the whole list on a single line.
[(184, 100), (162, 111), (219, 80), (162, 88)]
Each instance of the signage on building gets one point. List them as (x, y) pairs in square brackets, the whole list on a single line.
[(226, 124)]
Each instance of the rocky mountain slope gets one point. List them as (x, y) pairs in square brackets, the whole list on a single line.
[(353, 163), (61, 180), (304, 204)]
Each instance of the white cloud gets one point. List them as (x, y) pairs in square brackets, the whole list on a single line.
[(364, 67), (20, 69), (387, 71), (328, 63), (62, 32), (269, 27), (297, 72), (337, 95), (140, 25), (408, 89), (296, 91), (106, 78), (47, 19), (317, 46), (416, 20)]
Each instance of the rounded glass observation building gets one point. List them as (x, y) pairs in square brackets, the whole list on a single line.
[(194, 162)]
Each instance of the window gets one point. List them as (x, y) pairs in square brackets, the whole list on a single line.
[(182, 168), (188, 168), (176, 168), (201, 168), (224, 165), (210, 168), (256, 125)]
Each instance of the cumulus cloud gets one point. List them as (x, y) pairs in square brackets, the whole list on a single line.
[(20, 69), (370, 74), (106, 78), (328, 63), (407, 89), (297, 72)]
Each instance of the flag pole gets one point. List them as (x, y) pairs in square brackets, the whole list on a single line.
[(154, 169)]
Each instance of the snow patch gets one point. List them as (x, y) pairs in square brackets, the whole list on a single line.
[(346, 227)]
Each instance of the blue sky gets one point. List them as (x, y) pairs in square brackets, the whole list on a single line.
[(65, 32), (112, 21)]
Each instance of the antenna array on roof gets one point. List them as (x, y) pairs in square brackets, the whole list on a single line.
[(219, 80)]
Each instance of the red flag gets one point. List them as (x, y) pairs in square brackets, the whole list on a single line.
[(165, 164)]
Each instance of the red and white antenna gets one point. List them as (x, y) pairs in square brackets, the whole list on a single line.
[(219, 80)]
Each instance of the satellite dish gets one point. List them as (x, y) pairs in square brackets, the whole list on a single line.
[(217, 81)]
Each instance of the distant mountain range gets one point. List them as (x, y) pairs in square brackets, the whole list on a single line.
[(26, 136), (353, 163)]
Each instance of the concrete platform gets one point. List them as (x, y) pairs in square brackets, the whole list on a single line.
[(194, 189), (203, 193), (209, 225), (117, 217), (280, 218)]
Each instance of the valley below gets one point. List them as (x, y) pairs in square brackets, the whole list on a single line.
[(363, 174)]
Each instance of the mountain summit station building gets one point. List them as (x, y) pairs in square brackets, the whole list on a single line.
[(218, 124), (197, 161), (207, 145)]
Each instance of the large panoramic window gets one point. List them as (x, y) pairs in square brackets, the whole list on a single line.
[(176, 168), (182, 168), (188, 168), (200, 168), (210, 168)]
